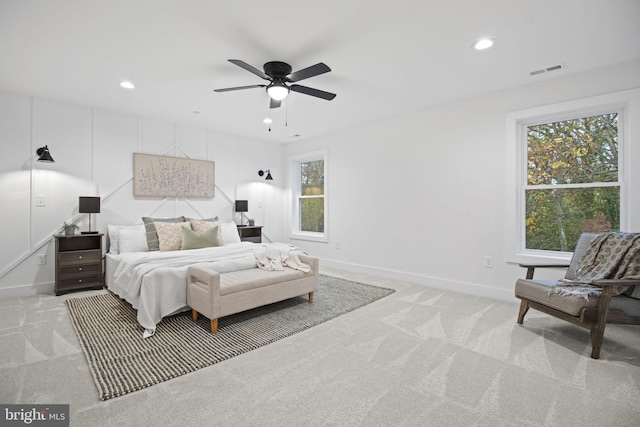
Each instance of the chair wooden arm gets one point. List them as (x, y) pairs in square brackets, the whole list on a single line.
[(531, 268), (616, 282)]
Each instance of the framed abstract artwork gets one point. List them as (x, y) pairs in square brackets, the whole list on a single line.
[(164, 176)]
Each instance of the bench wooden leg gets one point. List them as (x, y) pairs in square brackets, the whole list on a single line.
[(214, 322), (310, 297), (524, 307)]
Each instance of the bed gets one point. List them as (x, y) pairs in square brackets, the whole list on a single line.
[(153, 281)]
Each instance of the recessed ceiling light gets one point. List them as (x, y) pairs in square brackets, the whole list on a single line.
[(483, 44), (267, 120), (127, 85)]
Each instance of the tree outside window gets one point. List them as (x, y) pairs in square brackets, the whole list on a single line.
[(572, 183), (311, 198)]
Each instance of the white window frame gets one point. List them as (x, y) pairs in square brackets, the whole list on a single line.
[(516, 139), (294, 167)]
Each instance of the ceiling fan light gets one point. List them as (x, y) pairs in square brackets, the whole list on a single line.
[(483, 44), (278, 91)]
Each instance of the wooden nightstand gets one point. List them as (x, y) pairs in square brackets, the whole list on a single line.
[(78, 262), (250, 233)]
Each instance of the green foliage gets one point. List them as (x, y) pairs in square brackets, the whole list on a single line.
[(568, 154), (312, 214), (555, 218), (312, 178), (312, 190)]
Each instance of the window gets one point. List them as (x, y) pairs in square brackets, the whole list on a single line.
[(567, 172), (309, 196), (572, 183)]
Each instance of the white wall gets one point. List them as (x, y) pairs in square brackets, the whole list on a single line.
[(419, 197), (93, 151), (422, 197)]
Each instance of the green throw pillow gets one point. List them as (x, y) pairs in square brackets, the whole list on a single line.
[(193, 240)]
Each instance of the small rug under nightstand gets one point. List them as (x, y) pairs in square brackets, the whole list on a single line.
[(122, 362)]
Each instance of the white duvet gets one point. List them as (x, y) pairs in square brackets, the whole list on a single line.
[(155, 283)]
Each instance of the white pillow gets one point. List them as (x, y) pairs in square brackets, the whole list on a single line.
[(132, 239), (230, 233), (113, 231)]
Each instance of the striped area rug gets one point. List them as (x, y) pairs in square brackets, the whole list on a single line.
[(121, 361)]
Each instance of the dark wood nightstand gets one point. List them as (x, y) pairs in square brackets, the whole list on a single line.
[(78, 262), (250, 233)]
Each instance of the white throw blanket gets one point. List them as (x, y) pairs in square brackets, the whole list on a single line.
[(131, 271), (155, 283), (276, 256)]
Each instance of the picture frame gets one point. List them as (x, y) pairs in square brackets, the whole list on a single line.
[(156, 176)]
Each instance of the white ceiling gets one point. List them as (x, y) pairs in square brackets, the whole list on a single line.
[(387, 57)]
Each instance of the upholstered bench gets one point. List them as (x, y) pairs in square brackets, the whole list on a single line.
[(216, 295)]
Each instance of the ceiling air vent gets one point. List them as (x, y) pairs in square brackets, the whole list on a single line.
[(546, 70)]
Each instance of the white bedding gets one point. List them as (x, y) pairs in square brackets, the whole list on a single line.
[(155, 283)]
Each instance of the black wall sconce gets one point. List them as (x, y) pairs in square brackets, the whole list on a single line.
[(268, 172), (44, 155)]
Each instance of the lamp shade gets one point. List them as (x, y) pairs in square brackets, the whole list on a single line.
[(242, 206), (89, 204), (268, 172), (44, 155)]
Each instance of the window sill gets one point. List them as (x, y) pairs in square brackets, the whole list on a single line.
[(311, 237), (540, 257)]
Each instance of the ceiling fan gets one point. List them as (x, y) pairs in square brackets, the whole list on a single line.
[(279, 74)]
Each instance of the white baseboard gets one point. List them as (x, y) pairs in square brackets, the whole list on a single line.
[(22, 291), (429, 281)]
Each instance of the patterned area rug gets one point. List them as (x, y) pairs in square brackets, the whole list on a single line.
[(121, 361)]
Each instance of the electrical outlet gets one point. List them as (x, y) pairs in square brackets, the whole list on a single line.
[(41, 201), (488, 262), (337, 245), (42, 259)]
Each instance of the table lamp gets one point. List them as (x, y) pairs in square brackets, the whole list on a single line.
[(242, 206), (89, 205)]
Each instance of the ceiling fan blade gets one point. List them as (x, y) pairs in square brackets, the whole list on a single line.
[(229, 89), (305, 73), (249, 68), (274, 103), (313, 92)]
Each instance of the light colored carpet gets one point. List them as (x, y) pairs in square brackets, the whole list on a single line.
[(121, 361), (419, 357)]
